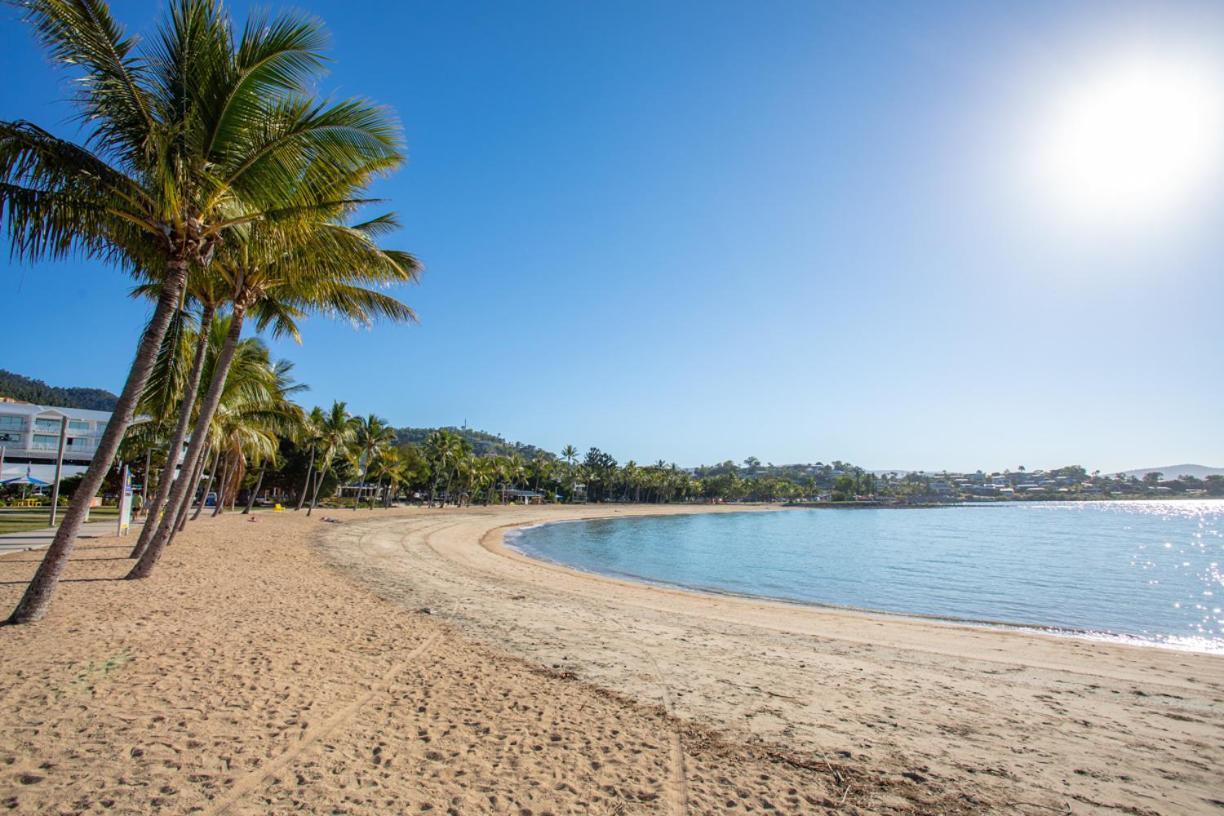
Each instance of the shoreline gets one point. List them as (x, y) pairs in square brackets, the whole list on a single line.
[(508, 549), (748, 667)]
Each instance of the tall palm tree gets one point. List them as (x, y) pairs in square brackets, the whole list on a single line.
[(311, 429), (570, 454), (388, 468), (371, 435), (444, 448), (254, 413), (192, 137), (335, 438)]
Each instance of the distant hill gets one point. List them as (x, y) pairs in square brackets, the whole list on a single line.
[(483, 444), (27, 389), (1174, 471)]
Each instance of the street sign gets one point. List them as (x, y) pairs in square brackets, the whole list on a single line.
[(125, 502)]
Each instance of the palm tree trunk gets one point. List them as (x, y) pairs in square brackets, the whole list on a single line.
[(236, 480), (258, 484), (314, 496), (207, 409), (365, 471), (38, 594), (309, 473), (144, 487), (186, 407), (226, 473), (180, 520), (212, 476)]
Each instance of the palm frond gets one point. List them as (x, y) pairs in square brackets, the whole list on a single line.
[(112, 91)]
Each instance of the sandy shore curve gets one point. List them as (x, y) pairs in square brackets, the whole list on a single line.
[(1095, 726)]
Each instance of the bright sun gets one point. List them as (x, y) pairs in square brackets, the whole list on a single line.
[(1136, 140)]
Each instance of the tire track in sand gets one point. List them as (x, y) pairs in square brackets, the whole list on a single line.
[(345, 715)]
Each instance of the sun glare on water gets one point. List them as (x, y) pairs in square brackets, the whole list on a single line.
[(1137, 139)]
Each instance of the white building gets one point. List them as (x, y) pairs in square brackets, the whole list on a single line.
[(30, 435)]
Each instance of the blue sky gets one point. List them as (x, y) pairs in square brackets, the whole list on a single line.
[(698, 231)]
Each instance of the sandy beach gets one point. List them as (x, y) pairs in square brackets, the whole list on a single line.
[(405, 662)]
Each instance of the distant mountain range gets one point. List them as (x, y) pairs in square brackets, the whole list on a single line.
[(27, 389), (1174, 471)]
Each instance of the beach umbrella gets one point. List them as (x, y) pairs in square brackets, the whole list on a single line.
[(25, 480)]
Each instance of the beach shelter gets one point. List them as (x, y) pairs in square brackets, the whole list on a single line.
[(25, 481)]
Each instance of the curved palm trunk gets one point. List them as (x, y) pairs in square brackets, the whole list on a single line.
[(306, 486), (186, 407), (207, 409), (236, 481), (314, 496), (212, 477), (227, 473), (180, 521), (38, 594), (144, 488), (254, 493), (365, 472)]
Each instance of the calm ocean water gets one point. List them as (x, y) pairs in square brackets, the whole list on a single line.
[(1139, 571)]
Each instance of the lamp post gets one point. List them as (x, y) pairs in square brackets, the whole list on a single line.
[(59, 467)]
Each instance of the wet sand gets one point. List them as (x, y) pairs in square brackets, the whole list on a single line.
[(403, 662)]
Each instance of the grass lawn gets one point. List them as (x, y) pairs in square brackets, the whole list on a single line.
[(24, 519)]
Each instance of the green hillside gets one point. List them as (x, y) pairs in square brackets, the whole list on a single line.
[(483, 444), (27, 389)]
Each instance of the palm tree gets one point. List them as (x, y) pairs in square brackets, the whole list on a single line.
[(388, 468), (275, 461), (192, 138), (252, 424), (540, 469), (335, 438), (516, 471), (371, 435), (444, 448), (570, 454), (310, 429)]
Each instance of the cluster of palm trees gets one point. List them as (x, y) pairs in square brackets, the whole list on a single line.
[(340, 442), (216, 177), (446, 470)]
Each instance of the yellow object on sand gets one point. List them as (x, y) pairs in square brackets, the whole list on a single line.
[(278, 508)]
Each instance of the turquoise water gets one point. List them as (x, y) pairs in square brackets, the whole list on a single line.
[(1140, 571)]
